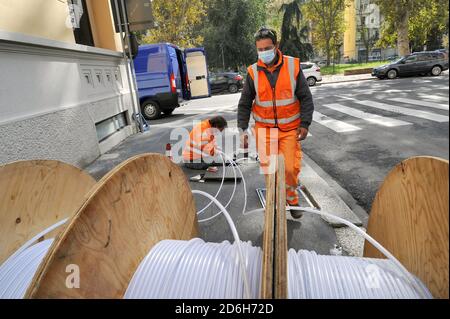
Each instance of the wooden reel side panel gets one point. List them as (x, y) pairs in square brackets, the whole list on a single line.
[(267, 268), (34, 195), (409, 217), (281, 247), (141, 202)]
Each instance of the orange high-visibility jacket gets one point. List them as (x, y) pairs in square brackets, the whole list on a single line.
[(201, 141), (278, 106)]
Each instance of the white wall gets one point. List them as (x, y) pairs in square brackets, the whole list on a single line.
[(48, 109)]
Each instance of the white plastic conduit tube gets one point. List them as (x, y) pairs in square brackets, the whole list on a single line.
[(312, 276), (220, 187), (195, 269), (235, 235), (231, 197), (401, 270), (17, 272)]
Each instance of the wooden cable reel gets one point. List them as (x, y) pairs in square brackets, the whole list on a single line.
[(34, 195), (142, 201), (409, 217), (147, 199)]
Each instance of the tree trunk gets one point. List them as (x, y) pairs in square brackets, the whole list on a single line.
[(327, 49), (402, 34)]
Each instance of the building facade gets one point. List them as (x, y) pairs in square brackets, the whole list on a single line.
[(65, 90), (363, 23)]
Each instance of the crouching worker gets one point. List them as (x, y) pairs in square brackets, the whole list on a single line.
[(202, 143)]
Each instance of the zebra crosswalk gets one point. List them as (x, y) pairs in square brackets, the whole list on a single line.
[(434, 109)]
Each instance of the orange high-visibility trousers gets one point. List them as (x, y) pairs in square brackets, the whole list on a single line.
[(272, 141)]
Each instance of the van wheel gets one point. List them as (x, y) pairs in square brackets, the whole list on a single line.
[(436, 70), (311, 81), (392, 74), (233, 88), (168, 111), (151, 110)]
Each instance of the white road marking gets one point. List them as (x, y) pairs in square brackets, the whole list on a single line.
[(433, 97), (403, 110), (335, 125), (421, 103), (372, 118)]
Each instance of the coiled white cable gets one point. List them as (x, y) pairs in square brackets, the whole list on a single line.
[(312, 276), (17, 272), (235, 235), (401, 270), (196, 270)]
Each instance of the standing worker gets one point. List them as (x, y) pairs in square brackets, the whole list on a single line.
[(278, 96)]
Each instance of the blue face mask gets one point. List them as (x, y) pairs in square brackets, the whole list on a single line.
[(267, 56)]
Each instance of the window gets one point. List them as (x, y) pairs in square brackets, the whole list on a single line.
[(305, 66), (411, 59), (111, 125), (157, 63), (80, 22)]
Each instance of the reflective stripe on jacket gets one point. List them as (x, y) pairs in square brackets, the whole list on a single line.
[(277, 106), (201, 141)]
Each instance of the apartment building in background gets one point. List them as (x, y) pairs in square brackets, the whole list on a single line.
[(363, 23), (64, 89)]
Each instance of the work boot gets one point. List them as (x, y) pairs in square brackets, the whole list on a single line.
[(296, 214)]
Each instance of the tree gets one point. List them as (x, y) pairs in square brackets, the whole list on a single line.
[(176, 21), (228, 32), (412, 22), (428, 25), (294, 34), (327, 18)]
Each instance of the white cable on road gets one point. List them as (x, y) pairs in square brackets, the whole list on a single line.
[(220, 187)]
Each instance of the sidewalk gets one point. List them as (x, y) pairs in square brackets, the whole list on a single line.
[(311, 232), (338, 78)]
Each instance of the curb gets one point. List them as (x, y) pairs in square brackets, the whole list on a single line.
[(326, 197)]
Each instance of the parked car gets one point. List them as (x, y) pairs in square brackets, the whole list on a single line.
[(414, 64), (226, 81), (321, 63), (392, 57), (372, 58), (167, 75), (311, 72)]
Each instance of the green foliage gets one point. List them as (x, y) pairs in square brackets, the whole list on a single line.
[(327, 19), (176, 21), (423, 21), (340, 68), (294, 33), (228, 32)]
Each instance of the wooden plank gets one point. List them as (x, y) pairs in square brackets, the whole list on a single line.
[(34, 195), (268, 238), (280, 247), (144, 200), (409, 217)]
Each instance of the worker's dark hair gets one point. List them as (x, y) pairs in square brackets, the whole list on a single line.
[(218, 122), (266, 33)]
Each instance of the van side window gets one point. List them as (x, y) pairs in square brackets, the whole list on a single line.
[(157, 63)]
